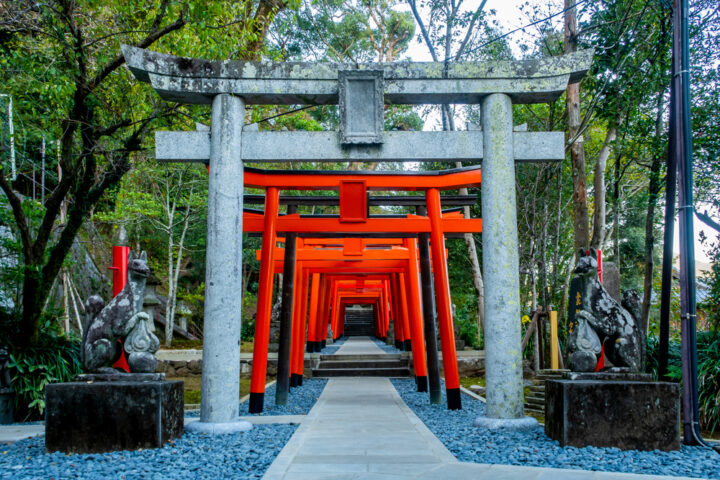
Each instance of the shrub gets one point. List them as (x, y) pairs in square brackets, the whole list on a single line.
[(708, 345), (709, 384), (56, 358)]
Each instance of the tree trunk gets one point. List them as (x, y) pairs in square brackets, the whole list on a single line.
[(598, 237), (577, 148), (653, 192), (170, 305), (475, 266), (616, 213)]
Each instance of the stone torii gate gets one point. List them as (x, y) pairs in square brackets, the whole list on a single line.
[(361, 92)]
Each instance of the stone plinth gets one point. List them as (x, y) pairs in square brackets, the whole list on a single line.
[(123, 412), (622, 413), (6, 406)]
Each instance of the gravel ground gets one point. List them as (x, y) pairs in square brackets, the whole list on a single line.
[(384, 346), (300, 400), (193, 456), (471, 444), (332, 349)]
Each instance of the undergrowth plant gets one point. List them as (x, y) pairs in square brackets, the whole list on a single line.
[(708, 353), (56, 358)]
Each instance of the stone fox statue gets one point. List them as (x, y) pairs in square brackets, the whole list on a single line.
[(601, 319), (121, 319)]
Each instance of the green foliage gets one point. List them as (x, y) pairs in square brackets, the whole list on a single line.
[(56, 358), (711, 305), (709, 384), (465, 318), (708, 353), (249, 308)]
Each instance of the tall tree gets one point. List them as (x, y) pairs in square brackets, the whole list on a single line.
[(101, 116), (575, 141), (454, 31)]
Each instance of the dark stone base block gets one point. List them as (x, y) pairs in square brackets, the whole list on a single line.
[(627, 414), (106, 416), (453, 398), (422, 383), (7, 404), (256, 402)]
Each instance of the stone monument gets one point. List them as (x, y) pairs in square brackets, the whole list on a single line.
[(605, 400), (107, 410)]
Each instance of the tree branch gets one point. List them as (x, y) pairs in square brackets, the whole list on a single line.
[(423, 30), (152, 37), (20, 218)]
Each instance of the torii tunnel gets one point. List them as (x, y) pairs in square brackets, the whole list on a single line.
[(332, 261)]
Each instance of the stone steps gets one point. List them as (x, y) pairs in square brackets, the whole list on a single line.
[(371, 363), (381, 365), (358, 357), (361, 372), (359, 322), (535, 400)]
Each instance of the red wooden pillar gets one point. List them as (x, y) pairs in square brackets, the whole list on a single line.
[(264, 304), (407, 340), (398, 320), (298, 334), (324, 309), (442, 295), (302, 303), (394, 300), (121, 256), (313, 314), (336, 312), (341, 323), (416, 326)]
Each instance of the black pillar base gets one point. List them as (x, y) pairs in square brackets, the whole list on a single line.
[(310, 347), (453, 399), (408, 345), (399, 344), (324, 343), (317, 346), (300, 380), (256, 402), (422, 383), (295, 380)]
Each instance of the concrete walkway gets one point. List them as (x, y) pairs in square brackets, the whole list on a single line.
[(361, 429), (359, 346)]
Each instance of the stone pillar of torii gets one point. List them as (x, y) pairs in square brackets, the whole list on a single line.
[(361, 92)]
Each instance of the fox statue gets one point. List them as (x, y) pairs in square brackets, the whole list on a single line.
[(121, 319), (601, 320)]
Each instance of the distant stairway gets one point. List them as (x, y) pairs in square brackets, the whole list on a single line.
[(535, 400), (380, 365), (359, 322)]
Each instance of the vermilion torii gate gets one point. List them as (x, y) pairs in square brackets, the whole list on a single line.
[(354, 218), (361, 91)]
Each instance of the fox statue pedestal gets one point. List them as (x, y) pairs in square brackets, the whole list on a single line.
[(623, 410), (108, 412)]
